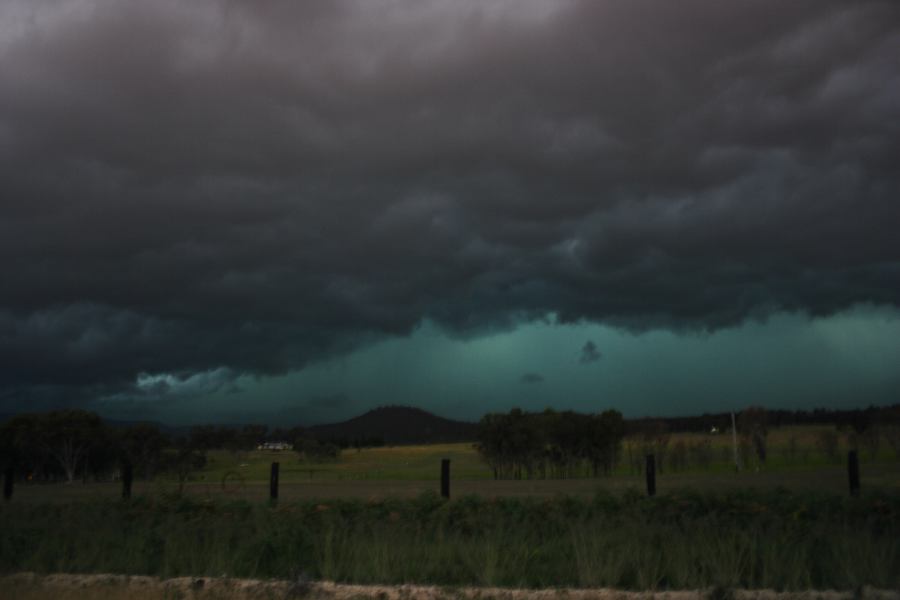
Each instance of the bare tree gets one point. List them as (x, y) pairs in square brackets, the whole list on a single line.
[(752, 424), (70, 435), (183, 461)]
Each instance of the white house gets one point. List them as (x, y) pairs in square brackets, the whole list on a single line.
[(278, 446)]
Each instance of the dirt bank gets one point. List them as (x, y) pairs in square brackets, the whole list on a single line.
[(29, 586)]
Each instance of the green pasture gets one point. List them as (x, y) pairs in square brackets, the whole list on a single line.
[(832, 479), (422, 462), (406, 471), (394, 463)]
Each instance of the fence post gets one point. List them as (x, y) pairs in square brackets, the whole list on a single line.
[(127, 477), (853, 472), (273, 482), (651, 475), (8, 483), (445, 477)]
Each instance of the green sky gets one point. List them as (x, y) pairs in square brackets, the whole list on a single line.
[(789, 361)]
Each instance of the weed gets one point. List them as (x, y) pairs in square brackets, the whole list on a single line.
[(681, 541)]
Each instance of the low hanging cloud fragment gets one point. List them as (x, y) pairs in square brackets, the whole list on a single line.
[(257, 186), (531, 378), (589, 353)]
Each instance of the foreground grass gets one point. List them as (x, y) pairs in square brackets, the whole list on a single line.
[(678, 541)]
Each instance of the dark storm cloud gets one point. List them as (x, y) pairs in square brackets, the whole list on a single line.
[(531, 378), (589, 353), (252, 186)]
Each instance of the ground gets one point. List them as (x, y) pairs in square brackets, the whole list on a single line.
[(407, 471), (28, 586)]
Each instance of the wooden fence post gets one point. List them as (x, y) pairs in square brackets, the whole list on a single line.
[(445, 478), (127, 477), (853, 472), (8, 483), (273, 482), (651, 475)]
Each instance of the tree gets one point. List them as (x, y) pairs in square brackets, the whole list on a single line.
[(752, 424), (655, 440), (69, 436), (8, 454), (250, 436), (558, 444), (183, 460), (523, 442), (491, 429), (142, 445), (24, 448), (315, 451), (606, 431), (828, 442), (211, 437)]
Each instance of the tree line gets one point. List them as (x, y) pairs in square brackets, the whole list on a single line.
[(858, 419), (863, 431), (70, 445), (550, 444), (66, 445)]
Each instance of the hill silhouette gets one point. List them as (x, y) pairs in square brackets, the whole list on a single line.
[(398, 425)]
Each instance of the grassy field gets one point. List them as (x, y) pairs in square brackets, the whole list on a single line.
[(407, 471), (374, 516), (683, 540), (828, 479), (393, 463), (419, 462)]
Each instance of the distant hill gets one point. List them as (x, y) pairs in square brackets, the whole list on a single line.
[(399, 425)]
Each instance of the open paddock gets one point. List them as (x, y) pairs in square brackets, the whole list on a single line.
[(883, 476)]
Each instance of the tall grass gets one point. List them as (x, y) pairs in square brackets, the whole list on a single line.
[(680, 541)]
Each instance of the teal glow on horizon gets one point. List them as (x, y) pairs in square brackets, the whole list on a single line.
[(788, 361)]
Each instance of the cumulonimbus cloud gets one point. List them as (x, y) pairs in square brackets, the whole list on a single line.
[(189, 187)]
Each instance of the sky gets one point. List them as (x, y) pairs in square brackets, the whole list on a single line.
[(292, 212)]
